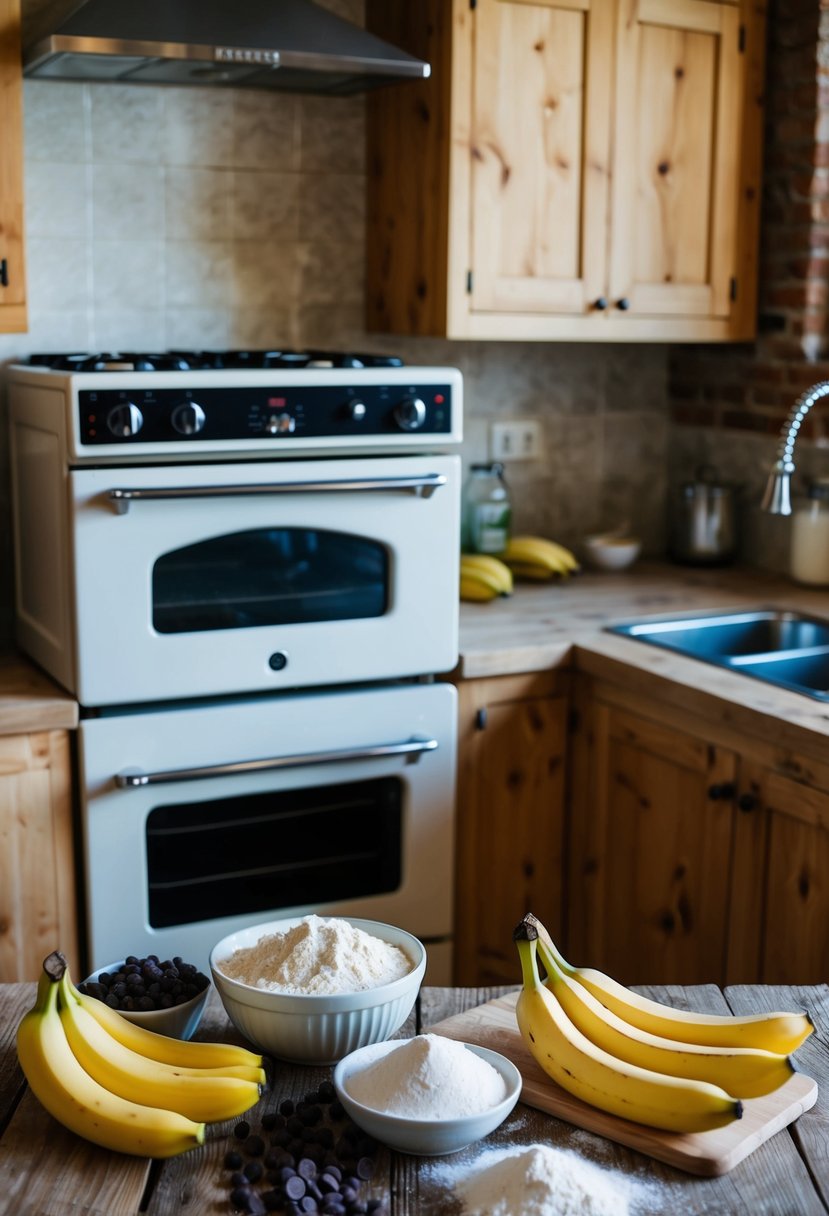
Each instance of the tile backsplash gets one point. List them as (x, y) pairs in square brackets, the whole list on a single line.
[(181, 217)]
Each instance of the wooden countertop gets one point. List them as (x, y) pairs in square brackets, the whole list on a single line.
[(48, 1171), (30, 701), (562, 624)]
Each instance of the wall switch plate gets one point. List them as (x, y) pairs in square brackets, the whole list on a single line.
[(515, 441)]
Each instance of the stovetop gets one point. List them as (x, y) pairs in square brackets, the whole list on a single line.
[(208, 360)]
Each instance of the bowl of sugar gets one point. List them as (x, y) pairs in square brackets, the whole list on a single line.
[(312, 989), (427, 1096)]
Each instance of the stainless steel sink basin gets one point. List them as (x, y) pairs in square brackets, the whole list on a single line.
[(783, 648)]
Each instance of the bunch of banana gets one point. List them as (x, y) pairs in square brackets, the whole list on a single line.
[(124, 1087), (538, 559), (614, 1059), (484, 577)]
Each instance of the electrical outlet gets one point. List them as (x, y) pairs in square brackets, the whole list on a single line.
[(515, 440)]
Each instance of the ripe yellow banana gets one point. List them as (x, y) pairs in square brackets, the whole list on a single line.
[(781, 1033), (535, 553), (199, 1095), (745, 1072), (489, 567), (77, 1101), (601, 1079), (177, 1052)]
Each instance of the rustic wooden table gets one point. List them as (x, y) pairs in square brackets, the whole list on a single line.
[(47, 1171)]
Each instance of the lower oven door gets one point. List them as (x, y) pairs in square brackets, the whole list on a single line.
[(202, 580), (200, 821)]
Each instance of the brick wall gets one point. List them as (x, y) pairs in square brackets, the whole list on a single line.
[(750, 387)]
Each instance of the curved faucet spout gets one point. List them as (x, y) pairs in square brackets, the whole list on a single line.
[(777, 499)]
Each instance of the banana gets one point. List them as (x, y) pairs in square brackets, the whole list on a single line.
[(536, 552), (487, 564), (781, 1033), (601, 1079), (744, 1072), (77, 1101), (199, 1095), (180, 1053)]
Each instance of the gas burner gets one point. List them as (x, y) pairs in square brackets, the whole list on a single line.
[(205, 360)]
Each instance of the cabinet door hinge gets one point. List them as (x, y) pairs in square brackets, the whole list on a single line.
[(469, 282), (732, 289), (741, 39), (480, 719), (4, 273)]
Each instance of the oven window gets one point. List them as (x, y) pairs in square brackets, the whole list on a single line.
[(266, 852), (269, 576)]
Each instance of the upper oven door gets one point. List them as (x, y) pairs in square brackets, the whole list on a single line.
[(200, 580)]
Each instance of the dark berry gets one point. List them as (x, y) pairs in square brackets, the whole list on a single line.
[(242, 1130), (232, 1160)]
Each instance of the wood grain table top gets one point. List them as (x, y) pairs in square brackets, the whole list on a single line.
[(47, 1171)]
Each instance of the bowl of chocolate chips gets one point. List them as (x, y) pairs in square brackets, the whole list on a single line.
[(164, 995)]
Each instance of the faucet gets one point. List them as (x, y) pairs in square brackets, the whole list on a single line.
[(777, 495)]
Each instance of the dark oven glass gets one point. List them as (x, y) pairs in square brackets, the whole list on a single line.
[(269, 576), (268, 851)]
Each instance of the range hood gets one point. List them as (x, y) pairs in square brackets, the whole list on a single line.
[(291, 45)]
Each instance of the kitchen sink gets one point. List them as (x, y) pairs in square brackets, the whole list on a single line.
[(780, 647)]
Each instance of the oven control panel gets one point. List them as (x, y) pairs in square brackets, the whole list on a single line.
[(267, 413)]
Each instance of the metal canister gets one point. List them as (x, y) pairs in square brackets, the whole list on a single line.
[(703, 528)]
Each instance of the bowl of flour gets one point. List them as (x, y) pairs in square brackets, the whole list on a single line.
[(427, 1096), (312, 989)]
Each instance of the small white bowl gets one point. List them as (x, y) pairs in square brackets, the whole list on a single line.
[(612, 552), (313, 1029), (424, 1137), (177, 1022)]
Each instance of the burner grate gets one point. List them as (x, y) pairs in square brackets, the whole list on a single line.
[(206, 360)]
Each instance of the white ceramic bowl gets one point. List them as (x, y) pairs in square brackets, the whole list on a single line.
[(177, 1022), (424, 1137), (611, 552), (311, 1029)]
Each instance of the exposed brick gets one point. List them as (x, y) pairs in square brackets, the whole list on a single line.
[(689, 415), (744, 420)]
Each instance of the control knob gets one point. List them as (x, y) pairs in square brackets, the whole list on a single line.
[(280, 424), (125, 420), (410, 414), (188, 418), (356, 410)]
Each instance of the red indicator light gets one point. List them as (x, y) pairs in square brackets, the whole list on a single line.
[(92, 432), (91, 418), (439, 398), (277, 402)]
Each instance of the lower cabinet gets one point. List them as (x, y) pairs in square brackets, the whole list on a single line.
[(510, 823), (38, 910), (698, 853)]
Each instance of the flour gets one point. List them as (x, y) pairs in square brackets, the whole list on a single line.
[(429, 1077), (318, 957), (538, 1181)]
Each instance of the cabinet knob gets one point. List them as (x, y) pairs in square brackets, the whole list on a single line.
[(623, 304), (718, 793), (4, 273), (748, 802), (601, 304)]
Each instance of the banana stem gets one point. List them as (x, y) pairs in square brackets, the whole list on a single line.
[(549, 948)]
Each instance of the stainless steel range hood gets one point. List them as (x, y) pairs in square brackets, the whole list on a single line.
[(291, 45)]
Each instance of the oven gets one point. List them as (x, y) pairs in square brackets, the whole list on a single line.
[(246, 571)]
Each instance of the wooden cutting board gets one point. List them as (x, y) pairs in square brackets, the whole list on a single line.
[(493, 1025)]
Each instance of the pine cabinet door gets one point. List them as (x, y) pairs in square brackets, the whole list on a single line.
[(676, 163), (539, 98), (12, 280), (510, 826), (651, 831)]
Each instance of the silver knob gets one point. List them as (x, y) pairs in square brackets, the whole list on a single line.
[(280, 424), (188, 418), (410, 414), (356, 410), (125, 420)]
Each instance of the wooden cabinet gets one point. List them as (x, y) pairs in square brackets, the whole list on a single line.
[(572, 169), (38, 911), (510, 822), (12, 278), (698, 854)]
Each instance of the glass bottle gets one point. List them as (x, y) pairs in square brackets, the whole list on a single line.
[(809, 558), (487, 512)]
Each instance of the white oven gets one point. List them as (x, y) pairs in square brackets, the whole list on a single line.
[(245, 567), (201, 819)]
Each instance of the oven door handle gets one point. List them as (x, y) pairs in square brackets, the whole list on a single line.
[(423, 486), (412, 749)]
